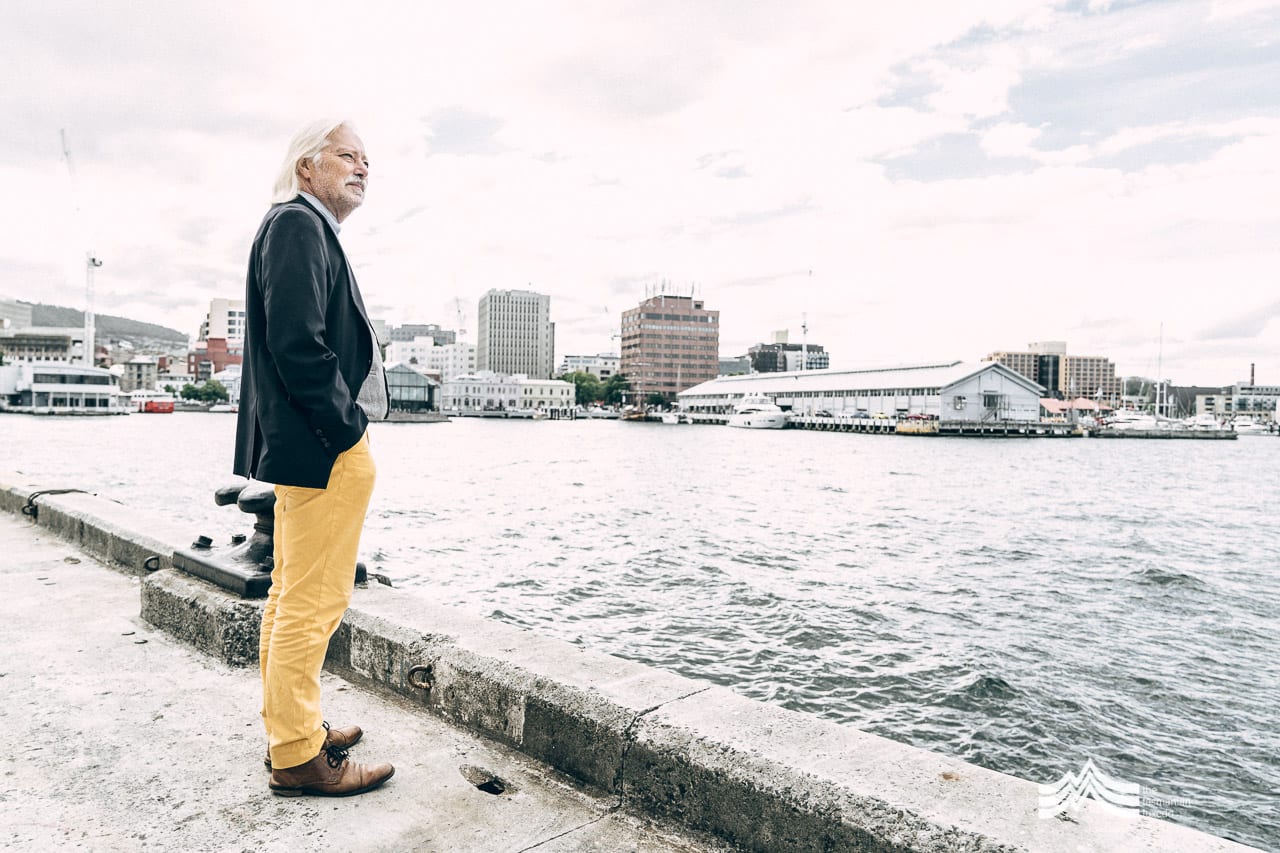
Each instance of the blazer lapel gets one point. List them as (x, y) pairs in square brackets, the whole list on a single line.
[(351, 275)]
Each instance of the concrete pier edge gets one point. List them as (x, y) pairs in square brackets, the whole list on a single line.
[(757, 776)]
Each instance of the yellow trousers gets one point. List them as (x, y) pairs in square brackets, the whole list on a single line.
[(317, 533)]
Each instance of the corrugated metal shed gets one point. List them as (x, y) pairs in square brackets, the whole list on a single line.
[(933, 377)]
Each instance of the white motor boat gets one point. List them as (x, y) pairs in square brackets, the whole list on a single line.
[(1130, 419), (757, 412), (1245, 425)]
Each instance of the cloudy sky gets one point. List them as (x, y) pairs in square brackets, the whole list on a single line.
[(927, 180)]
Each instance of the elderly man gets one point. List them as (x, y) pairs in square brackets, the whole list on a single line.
[(312, 380)]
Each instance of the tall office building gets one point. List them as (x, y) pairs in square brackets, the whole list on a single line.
[(669, 343), (1064, 376), (514, 333)]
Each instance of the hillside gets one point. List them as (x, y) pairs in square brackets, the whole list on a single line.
[(106, 325)]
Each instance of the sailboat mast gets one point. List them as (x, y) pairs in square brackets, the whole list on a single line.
[(1160, 393)]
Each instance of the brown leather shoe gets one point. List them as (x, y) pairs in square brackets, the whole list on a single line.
[(343, 738), (329, 774)]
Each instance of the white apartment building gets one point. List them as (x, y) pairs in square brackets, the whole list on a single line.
[(601, 366), (224, 320), (515, 333), (485, 391), (422, 353)]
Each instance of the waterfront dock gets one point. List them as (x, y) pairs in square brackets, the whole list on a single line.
[(1190, 434), (133, 697), (966, 429), (123, 737)]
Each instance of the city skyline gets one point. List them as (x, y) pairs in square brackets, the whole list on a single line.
[(920, 183)]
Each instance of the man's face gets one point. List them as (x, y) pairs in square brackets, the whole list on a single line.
[(338, 174)]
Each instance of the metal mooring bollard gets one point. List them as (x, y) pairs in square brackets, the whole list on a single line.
[(245, 567)]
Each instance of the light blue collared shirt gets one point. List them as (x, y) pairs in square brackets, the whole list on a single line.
[(322, 210)]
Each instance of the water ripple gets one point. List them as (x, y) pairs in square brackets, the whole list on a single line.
[(1023, 605)]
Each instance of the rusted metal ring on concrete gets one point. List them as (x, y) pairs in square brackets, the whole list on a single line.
[(420, 676), (152, 563)]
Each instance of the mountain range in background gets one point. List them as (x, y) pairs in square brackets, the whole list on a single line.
[(106, 326)]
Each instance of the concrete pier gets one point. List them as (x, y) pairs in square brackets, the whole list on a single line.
[(122, 737), (1176, 434), (116, 739)]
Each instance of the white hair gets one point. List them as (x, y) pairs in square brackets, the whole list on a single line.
[(306, 145)]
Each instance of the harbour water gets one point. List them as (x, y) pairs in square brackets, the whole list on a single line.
[(1022, 604)]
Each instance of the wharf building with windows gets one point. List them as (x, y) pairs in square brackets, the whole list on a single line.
[(669, 343), (1065, 376), (515, 395), (57, 388), (988, 393), (514, 333)]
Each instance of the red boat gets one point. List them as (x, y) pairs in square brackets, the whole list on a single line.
[(157, 402)]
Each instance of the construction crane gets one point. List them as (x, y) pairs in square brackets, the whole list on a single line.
[(91, 263)]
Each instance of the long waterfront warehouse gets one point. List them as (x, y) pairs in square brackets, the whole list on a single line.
[(955, 391)]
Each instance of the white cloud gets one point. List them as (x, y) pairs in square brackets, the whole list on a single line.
[(1010, 140), (599, 145)]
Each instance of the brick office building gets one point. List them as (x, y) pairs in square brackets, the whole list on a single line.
[(669, 343)]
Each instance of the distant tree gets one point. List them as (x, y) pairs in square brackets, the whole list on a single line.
[(655, 399), (587, 387), (614, 387), (214, 391), (209, 391)]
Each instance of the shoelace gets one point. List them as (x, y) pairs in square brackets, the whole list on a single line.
[(334, 755)]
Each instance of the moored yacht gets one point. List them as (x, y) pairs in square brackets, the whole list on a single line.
[(1246, 425), (757, 412)]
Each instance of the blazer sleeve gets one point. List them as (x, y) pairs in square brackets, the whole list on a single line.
[(295, 294)]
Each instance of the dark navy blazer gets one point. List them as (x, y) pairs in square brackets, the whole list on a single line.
[(308, 348)]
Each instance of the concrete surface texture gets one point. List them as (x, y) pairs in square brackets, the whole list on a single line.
[(121, 738), (754, 775)]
